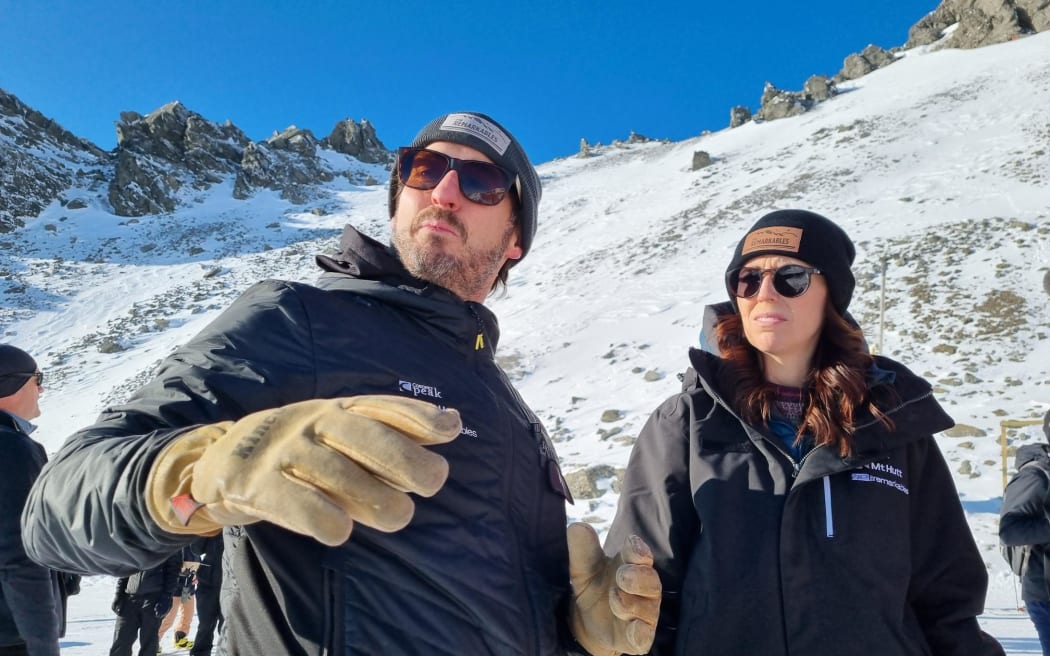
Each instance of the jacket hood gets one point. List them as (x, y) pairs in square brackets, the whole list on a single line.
[(1030, 452)]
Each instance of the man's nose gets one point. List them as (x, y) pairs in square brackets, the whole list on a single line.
[(447, 194)]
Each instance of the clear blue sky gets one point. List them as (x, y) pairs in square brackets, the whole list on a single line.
[(552, 71)]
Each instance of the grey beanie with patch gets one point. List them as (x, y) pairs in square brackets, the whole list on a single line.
[(484, 134)]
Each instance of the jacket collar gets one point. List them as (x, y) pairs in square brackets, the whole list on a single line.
[(365, 266), (907, 400), (16, 422)]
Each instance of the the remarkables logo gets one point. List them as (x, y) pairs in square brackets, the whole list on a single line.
[(419, 390), (780, 238)]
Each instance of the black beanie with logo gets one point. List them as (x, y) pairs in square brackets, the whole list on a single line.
[(806, 236), (485, 135), (16, 367)]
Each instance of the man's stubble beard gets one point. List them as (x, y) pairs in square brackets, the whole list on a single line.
[(468, 276)]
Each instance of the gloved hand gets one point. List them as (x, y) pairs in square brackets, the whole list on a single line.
[(314, 467), (162, 605), (616, 601), (119, 601)]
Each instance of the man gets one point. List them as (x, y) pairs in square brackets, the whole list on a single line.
[(141, 602), (209, 582), (1023, 521), (30, 610), (303, 418)]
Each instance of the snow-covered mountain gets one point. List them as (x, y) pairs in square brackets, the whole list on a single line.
[(938, 166)]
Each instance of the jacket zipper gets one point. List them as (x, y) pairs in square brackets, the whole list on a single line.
[(829, 521), (796, 467), (479, 339), (520, 548)]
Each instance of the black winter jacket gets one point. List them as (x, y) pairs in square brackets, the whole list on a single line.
[(156, 582), (481, 569), (1024, 517), (869, 554), (208, 551), (30, 610)]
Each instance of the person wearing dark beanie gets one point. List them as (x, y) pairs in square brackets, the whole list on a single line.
[(16, 368), (31, 613), (807, 236), (795, 484), (378, 468)]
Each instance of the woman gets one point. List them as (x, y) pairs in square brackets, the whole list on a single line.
[(792, 493), (183, 603)]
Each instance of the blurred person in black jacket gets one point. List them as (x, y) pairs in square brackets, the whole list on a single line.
[(1023, 521), (30, 600), (142, 600), (209, 582)]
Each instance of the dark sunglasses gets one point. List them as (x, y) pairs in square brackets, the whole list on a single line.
[(789, 281), (39, 375), (480, 182)]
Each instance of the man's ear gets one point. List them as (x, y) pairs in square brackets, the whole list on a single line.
[(514, 250)]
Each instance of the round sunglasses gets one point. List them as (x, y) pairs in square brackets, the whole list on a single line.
[(480, 182), (790, 280)]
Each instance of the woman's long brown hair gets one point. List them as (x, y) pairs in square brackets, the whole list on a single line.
[(836, 385)]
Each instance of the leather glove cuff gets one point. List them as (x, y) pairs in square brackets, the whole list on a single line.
[(168, 497)]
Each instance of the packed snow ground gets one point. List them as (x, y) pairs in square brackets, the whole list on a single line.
[(936, 166)]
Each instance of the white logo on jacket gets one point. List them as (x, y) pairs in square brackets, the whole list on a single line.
[(419, 390), (887, 475)]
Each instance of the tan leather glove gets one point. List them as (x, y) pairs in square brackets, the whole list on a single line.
[(314, 467), (616, 601)]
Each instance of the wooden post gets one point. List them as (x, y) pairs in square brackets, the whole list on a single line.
[(1012, 423)]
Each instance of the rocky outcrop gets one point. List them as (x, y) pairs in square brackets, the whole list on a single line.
[(859, 64), (358, 140), (585, 149), (819, 88), (172, 149), (286, 162), (777, 103), (163, 159), (701, 160), (39, 160), (142, 185), (979, 22), (976, 23), (739, 115)]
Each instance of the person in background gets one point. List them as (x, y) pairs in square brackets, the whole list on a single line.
[(793, 494), (183, 604), (382, 487), (208, 552), (140, 602), (31, 612), (1023, 520)]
